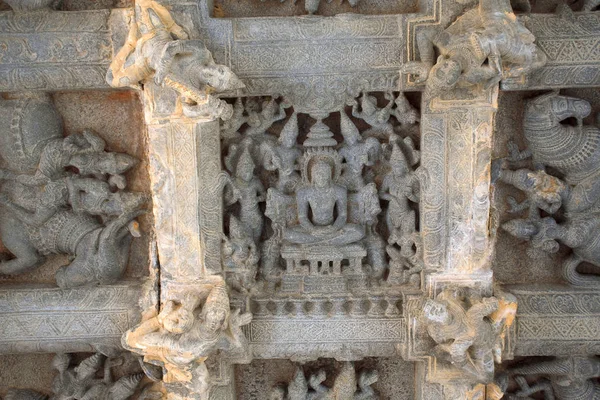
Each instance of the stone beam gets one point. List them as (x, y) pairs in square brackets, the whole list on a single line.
[(45, 319), (555, 320), (572, 45), (54, 50), (350, 330)]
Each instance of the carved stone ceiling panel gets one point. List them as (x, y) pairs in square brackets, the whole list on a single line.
[(304, 200)]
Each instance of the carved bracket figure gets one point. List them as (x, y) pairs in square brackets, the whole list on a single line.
[(187, 331), (158, 48), (469, 330), (64, 195), (482, 47), (572, 151)]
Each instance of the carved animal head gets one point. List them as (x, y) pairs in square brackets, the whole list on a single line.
[(548, 110), (221, 78), (124, 387)]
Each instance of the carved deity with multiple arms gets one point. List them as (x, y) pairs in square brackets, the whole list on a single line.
[(483, 46), (157, 46), (186, 332)]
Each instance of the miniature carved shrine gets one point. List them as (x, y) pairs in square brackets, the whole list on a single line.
[(306, 200)]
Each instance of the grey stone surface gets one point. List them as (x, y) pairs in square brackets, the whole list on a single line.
[(303, 209)]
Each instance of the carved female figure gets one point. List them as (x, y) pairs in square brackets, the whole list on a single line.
[(481, 47)]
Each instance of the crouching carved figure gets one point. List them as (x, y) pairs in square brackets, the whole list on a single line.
[(158, 47), (81, 382), (481, 47), (562, 378), (187, 331), (469, 330), (574, 152), (63, 195)]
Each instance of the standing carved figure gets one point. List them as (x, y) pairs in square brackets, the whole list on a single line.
[(157, 46), (185, 333), (562, 378), (574, 152), (284, 156), (400, 186), (357, 154), (247, 189), (483, 46)]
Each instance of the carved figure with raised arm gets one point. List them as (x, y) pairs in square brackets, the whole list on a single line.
[(356, 153), (187, 331), (284, 156), (157, 47), (481, 47), (378, 118)]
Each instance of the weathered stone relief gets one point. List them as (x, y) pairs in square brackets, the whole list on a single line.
[(482, 47), (304, 208), (187, 331), (158, 48), (64, 195), (469, 330), (557, 210), (81, 382), (347, 385), (560, 378), (307, 242)]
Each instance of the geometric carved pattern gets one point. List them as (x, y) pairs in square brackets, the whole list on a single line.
[(51, 319), (557, 319)]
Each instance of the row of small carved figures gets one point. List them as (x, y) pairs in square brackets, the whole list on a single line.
[(359, 306)]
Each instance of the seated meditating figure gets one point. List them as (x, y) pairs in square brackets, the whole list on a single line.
[(318, 204)]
